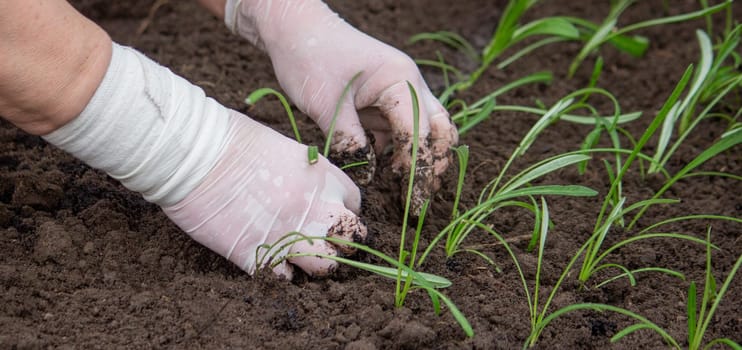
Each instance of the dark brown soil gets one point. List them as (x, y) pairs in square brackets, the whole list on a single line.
[(87, 264)]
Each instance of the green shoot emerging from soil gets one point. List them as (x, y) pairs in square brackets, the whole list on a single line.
[(270, 255), (698, 318), (609, 32), (403, 272), (713, 83)]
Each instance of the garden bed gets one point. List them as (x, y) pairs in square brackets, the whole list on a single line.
[(87, 264)]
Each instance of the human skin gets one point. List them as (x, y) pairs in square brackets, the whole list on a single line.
[(62, 79), (47, 79)]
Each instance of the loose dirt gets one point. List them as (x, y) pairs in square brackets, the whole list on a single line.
[(87, 264)]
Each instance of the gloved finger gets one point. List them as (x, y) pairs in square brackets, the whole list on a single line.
[(348, 227), (351, 194), (349, 134), (314, 265), (373, 120), (443, 135), (396, 105), (284, 269), (349, 143)]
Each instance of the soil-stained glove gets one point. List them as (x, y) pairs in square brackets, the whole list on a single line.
[(231, 183), (315, 53), (263, 187)]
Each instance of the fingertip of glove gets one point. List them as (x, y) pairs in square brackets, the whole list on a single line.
[(284, 270), (348, 227)]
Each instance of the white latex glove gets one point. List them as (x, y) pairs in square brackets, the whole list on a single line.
[(231, 183), (315, 54), (263, 187)]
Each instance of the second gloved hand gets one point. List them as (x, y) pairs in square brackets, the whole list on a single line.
[(315, 54)]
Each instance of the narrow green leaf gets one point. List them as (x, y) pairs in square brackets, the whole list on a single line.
[(551, 166), (596, 39), (258, 94), (462, 154), (726, 341), (628, 330), (338, 106), (691, 311), (622, 119), (665, 271), (483, 114), (554, 26), (457, 314), (699, 79), (549, 190)]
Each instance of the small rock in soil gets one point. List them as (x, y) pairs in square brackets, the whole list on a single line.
[(54, 243)]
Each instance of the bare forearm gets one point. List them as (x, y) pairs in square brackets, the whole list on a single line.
[(53, 59)]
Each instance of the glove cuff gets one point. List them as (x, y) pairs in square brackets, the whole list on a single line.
[(241, 24), (148, 128)]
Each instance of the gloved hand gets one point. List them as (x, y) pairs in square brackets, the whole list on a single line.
[(262, 188), (231, 183), (315, 54)]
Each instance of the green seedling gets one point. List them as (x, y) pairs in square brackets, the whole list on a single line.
[(603, 222), (609, 32), (400, 290), (712, 84), (274, 254), (495, 196), (698, 318), (258, 94), (540, 319), (509, 32), (462, 154), (538, 305), (404, 274), (312, 150), (594, 257)]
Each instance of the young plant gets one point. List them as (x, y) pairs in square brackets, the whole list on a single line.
[(405, 276), (538, 306), (712, 83), (496, 195), (609, 32), (603, 222), (698, 318), (274, 254), (402, 290), (312, 151), (595, 257), (543, 319), (509, 32)]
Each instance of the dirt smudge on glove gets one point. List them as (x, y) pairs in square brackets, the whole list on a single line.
[(350, 228), (360, 174)]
